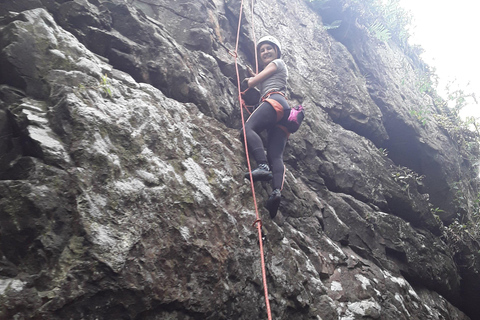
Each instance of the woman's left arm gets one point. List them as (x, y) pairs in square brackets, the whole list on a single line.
[(264, 74)]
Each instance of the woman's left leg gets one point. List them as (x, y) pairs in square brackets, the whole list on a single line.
[(277, 139)]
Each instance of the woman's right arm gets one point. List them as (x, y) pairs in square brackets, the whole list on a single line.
[(264, 74)]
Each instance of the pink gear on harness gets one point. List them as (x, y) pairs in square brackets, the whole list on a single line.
[(294, 113)]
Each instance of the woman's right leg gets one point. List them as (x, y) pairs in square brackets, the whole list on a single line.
[(264, 117)]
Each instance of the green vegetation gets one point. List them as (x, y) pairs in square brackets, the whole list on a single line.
[(463, 229), (383, 152), (379, 31), (103, 85), (446, 113), (406, 178), (384, 20), (465, 132), (421, 114)]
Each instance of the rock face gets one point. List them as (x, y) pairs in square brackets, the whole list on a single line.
[(121, 171)]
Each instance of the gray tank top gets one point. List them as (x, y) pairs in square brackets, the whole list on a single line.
[(277, 81)]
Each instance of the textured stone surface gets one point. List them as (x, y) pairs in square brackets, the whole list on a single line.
[(121, 176)]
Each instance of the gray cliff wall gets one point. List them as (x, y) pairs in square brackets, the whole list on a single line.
[(121, 172)]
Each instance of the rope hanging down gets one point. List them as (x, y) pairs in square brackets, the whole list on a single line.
[(258, 221)]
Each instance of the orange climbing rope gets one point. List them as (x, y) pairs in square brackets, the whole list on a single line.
[(258, 221)]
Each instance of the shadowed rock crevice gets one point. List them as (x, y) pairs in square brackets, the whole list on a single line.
[(422, 146)]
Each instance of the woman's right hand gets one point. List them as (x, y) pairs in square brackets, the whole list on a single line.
[(244, 84), (264, 74), (250, 71)]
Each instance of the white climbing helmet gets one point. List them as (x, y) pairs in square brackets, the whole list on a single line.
[(271, 40)]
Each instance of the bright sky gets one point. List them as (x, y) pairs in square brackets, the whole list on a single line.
[(448, 31)]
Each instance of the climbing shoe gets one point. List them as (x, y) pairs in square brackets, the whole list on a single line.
[(273, 203), (262, 173)]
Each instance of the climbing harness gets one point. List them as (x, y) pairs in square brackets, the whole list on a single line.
[(295, 117), (274, 103), (258, 221)]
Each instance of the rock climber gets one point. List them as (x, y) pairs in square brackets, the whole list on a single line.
[(272, 115)]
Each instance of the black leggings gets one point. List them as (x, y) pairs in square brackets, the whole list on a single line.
[(265, 118)]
